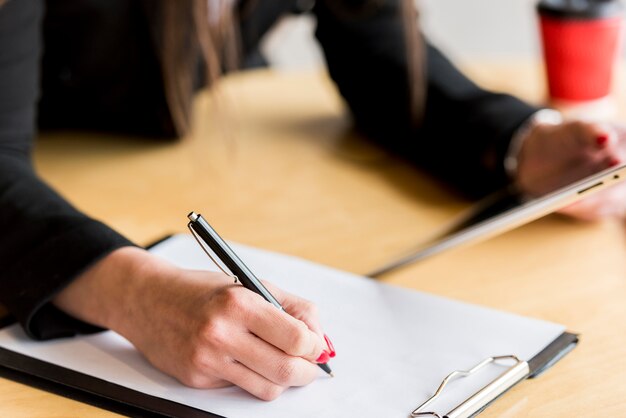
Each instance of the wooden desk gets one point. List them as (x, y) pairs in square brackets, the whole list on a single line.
[(281, 172)]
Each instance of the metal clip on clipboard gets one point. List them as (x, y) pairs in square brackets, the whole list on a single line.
[(478, 401)]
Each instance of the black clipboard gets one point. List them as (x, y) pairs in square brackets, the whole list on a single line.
[(116, 398), (119, 399)]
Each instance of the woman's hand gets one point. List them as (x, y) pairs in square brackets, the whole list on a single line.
[(200, 327), (553, 156)]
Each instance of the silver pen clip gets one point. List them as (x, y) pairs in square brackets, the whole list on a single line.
[(209, 252)]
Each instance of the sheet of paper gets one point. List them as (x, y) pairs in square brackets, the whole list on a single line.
[(394, 345)]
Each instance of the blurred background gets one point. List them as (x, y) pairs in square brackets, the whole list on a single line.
[(465, 30)]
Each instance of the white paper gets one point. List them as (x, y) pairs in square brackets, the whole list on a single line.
[(394, 345)]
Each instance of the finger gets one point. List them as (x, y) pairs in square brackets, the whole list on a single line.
[(307, 312), (607, 203), (584, 136), (210, 383), (619, 131), (607, 143), (285, 332), (579, 169), (199, 380), (583, 210), (220, 383), (252, 382), (272, 363), (299, 308)]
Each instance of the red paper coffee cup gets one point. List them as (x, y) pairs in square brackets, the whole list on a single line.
[(581, 41)]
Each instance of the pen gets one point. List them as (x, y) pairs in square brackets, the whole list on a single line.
[(202, 231)]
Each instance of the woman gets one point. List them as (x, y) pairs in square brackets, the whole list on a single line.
[(132, 66)]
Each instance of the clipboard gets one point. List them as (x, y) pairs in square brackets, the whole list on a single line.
[(117, 398)]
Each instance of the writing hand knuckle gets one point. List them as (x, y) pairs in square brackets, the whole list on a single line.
[(231, 300), (298, 339), (198, 359), (286, 372), (194, 380), (227, 294), (310, 309), (215, 333), (270, 392)]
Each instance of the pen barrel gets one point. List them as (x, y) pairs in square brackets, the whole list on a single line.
[(230, 259)]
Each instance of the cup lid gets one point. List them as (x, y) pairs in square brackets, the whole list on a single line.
[(580, 9)]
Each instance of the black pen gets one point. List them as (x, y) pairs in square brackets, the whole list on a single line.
[(203, 231)]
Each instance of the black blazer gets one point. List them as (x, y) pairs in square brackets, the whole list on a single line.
[(100, 71)]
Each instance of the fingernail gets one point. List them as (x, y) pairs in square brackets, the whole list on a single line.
[(613, 162), (331, 347), (602, 140), (323, 358)]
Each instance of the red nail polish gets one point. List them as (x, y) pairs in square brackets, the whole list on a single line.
[(331, 347), (323, 358), (613, 162), (602, 140)]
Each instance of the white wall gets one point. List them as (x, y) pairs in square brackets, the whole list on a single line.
[(465, 29), (482, 28)]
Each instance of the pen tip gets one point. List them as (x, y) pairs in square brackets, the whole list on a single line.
[(331, 374)]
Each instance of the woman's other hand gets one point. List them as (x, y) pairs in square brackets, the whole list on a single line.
[(553, 156), (198, 326)]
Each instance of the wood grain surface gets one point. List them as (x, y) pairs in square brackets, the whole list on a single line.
[(272, 163)]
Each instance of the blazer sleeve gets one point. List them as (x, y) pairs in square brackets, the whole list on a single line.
[(44, 241), (465, 130)]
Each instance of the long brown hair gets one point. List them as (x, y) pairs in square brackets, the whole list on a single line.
[(416, 60), (190, 46), (195, 37)]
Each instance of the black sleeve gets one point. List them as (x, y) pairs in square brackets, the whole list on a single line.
[(465, 131), (44, 241)]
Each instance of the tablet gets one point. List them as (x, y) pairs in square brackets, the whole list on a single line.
[(502, 212)]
